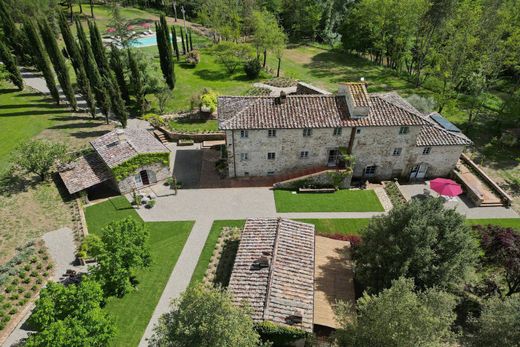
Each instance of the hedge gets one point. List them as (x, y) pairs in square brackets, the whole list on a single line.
[(130, 167), (280, 335)]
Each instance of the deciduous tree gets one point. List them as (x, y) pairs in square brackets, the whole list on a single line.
[(231, 54), (125, 249), (398, 317), (205, 316), (38, 156), (420, 240)]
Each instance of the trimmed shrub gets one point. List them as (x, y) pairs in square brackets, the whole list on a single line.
[(193, 57), (279, 335), (252, 69)]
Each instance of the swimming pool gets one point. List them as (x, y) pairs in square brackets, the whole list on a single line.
[(147, 41)]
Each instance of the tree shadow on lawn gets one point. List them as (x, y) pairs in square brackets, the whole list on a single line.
[(75, 125), (32, 105), (8, 90), (88, 134), (226, 261), (33, 113), (209, 75)]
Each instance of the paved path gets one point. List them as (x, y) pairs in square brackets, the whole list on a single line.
[(62, 250)]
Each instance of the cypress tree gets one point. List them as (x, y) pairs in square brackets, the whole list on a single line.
[(40, 58), (13, 37), (118, 104), (76, 59), (165, 52), (136, 82), (97, 48), (191, 42), (175, 44), (96, 81), (58, 61), (187, 41), (183, 44), (10, 65), (117, 67)]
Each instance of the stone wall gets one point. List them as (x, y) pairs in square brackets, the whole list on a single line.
[(160, 170), (196, 137), (287, 146), (320, 179)]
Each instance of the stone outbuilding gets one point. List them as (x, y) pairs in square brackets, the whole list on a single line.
[(123, 159), (387, 136), (273, 272)]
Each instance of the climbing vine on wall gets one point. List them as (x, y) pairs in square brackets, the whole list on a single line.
[(130, 167)]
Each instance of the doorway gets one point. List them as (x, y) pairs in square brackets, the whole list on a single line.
[(144, 177), (419, 171), (333, 157)]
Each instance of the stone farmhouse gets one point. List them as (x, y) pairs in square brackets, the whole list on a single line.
[(273, 272), (123, 159), (387, 136)]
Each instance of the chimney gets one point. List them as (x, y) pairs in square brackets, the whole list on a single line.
[(358, 100), (121, 136), (279, 100)]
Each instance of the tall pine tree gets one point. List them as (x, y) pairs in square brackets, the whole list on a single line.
[(175, 43), (116, 64), (58, 61), (183, 44), (191, 41), (40, 58), (97, 48), (10, 65), (165, 52), (14, 38), (76, 59), (118, 104), (137, 82), (96, 81)]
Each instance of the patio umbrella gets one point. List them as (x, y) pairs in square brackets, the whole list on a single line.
[(446, 187)]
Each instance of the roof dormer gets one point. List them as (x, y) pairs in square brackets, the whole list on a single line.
[(358, 101)]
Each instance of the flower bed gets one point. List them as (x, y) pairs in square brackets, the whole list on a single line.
[(223, 258), (393, 192), (21, 279), (281, 82)]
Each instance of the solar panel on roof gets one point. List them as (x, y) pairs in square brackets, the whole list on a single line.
[(443, 122)]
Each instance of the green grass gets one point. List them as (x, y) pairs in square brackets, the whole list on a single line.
[(22, 116), (339, 201), (209, 246), (352, 226), (132, 313), (194, 125), (503, 222)]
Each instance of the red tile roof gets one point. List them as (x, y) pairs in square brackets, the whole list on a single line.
[(84, 172), (285, 287)]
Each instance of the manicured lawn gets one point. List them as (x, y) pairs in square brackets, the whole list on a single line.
[(339, 201), (338, 225), (194, 125), (209, 246), (503, 222), (22, 116), (132, 313)]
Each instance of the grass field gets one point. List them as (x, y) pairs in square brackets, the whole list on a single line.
[(22, 116), (194, 126), (133, 312), (503, 222), (209, 246), (339, 201)]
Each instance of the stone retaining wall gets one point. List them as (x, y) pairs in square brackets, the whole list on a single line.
[(196, 137), (320, 179)]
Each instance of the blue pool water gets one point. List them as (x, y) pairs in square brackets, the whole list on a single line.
[(145, 41)]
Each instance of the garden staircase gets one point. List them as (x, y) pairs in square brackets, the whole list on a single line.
[(160, 136)]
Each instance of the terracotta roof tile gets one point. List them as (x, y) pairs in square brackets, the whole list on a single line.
[(285, 287), (432, 135), (115, 151), (84, 172)]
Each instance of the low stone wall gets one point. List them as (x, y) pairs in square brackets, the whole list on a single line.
[(196, 137), (320, 179)]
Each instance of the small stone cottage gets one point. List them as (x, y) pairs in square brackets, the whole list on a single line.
[(123, 159)]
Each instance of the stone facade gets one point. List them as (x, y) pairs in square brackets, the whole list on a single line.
[(156, 172), (249, 155)]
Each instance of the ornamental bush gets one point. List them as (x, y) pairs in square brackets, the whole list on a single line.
[(279, 335), (208, 100), (252, 69)]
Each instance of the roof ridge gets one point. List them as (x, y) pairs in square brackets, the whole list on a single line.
[(271, 269)]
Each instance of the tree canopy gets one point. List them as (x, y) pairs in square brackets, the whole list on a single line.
[(421, 240), (398, 317), (205, 316)]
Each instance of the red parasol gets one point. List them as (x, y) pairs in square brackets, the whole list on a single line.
[(445, 187)]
